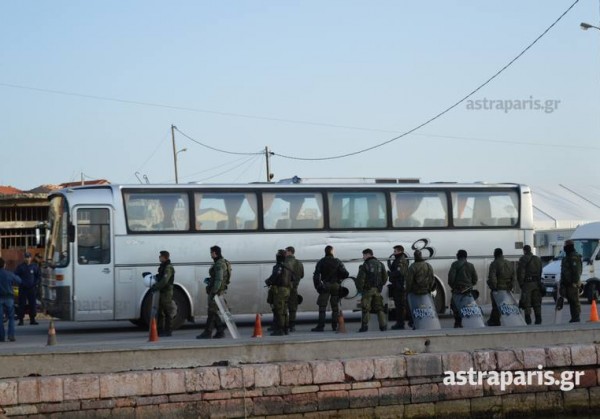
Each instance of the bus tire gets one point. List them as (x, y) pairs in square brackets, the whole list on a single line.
[(439, 298), (182, 310)]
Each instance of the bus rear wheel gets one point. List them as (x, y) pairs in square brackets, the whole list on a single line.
[(439, 298), (181, 309)]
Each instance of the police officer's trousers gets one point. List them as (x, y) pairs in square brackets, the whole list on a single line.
[(531, 296), (329, 294)]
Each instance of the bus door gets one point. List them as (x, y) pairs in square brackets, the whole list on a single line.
[(93, 280)]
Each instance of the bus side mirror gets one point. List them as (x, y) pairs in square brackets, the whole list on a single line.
[(71, 233)]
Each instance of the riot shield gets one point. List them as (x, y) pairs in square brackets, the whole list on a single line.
[(470, 312), (226, 316), (510, 314), (422, 310)]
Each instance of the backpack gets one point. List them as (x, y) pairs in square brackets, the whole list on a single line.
[(228, 269)]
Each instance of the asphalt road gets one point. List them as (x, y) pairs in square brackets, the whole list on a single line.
[(95, 335)]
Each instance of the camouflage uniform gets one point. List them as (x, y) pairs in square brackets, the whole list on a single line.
[(461, 278), (298, 269), (327, 278), (529, 275), (420, 279), (398, 271), (371, 278), (164, 285), (281, 282), (219, 278), (570, 275), (501, 277)]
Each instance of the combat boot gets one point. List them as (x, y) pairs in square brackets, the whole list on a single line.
[(321, 324), (363, 328), (458, 324), (220, 334), (207, 334), (538, 320), (528, 318), (383, 328), (398, 326), (277, 332)]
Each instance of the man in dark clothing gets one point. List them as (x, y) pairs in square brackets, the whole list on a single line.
[(501, 277), (462, 278), (281, 283), (298, 269), (327, 277), (7, 300), (217, 283), (398, 269), (370, 280), (164, 284), (570, 276), (30, 275), (529, 275)]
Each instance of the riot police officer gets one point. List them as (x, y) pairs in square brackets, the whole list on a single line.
[(570, 276), (501, 277), (370, 280), (529, 275), (327, 277), (164, 284), (220, 275), (298, 273), (280, 282), (398, 268), (462, 278)]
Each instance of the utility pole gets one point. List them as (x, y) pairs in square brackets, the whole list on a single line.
[(267, 158), (174, 152)]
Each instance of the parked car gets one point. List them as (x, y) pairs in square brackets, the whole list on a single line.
[(551, 275)]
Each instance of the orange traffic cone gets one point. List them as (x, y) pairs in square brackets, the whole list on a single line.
[(594, 312), (341, 328), (153, 332), (51, 334), (257, 327)]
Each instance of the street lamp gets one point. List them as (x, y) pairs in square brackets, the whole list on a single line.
[(176, 174), (586, 26)]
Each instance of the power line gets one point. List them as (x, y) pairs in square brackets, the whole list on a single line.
[(430, 120), (214, 167), (214, 148), (188, 109), (228, 170)]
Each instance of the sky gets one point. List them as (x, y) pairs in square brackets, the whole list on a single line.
[(92, 88)]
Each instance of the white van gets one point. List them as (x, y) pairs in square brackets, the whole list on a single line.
[(586, 238)]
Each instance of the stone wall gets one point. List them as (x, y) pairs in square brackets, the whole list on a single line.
[(407, 386)]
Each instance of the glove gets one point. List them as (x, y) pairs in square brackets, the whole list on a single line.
[(206, 281), (208, 290)]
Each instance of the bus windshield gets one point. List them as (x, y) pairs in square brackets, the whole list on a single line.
[(57, 246), (585, 247)]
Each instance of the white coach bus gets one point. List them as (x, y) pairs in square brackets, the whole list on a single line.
[(100, 239)]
